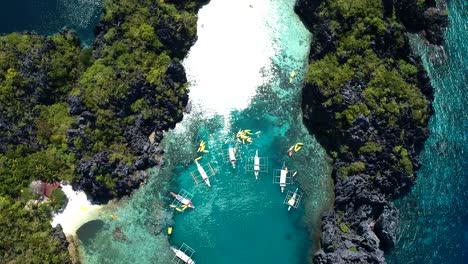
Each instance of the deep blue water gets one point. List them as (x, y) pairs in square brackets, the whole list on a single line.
[(434, 216), (50, 16)]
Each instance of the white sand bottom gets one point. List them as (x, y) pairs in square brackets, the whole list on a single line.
[(77, 212)]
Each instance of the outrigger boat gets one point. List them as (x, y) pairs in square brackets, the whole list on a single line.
[(283, 175), (203, 173), (182, 256), (232, 156), (292, 200), (256, 165), (184, 201)]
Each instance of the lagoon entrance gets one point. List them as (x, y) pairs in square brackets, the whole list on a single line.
[(244, 74)]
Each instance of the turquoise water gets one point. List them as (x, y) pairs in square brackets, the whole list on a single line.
[(434, 216), (50, 16), (238, 219)]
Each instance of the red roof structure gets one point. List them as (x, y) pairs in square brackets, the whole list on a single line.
[(47, 188)]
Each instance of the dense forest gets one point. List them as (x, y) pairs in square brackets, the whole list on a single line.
[(367, 99), (93, 117)]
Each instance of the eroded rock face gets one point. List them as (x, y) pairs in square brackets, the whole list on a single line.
[(423, 17), (386, 226), (436, 21), (367, 177), (58, 233), (146, 108)]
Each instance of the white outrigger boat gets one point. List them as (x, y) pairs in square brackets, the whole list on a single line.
[(203, 174), (292, 200), (182, 255), (186, 202), (283, 176), (256, 165), (232, 156)]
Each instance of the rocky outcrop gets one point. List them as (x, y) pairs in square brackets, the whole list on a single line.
[(153, 99), (423, 16), (57, 232), (374, 152)]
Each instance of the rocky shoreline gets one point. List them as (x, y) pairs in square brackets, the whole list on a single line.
[(373, 134), (90, 116), (144, 132)]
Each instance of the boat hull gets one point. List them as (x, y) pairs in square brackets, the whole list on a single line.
[(182, 256)]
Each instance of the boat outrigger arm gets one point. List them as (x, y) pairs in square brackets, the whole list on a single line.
[(182, 200), (292, 200), (256, 165), (283, 175), (232, 156), (182, 256), (203, 174)]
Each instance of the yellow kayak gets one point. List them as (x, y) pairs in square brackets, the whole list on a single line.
[(298, 146), (169, 230), (293, 74)]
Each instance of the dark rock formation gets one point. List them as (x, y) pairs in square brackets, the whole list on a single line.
[(423, 16), (374, 162), (144, 112), (118, 234), (57, 232)]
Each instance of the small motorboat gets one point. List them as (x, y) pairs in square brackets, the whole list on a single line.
[(182, 256), (232, 156), (256, 165), (290, 151), (283, 176), (183, 200), (292, 200), (203, 173)]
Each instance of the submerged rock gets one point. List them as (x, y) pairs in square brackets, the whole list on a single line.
[(118, 234)]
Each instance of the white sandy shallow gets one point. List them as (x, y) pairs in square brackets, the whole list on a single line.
[(223, 69), (78, 211)]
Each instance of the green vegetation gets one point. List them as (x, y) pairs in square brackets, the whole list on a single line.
[(353, 168), (26, 233), (33, 108), (344, 228), (61, 106), (364, 80), (58, 199), (36, 74), (404, 161), (129, 86), (370, 147)]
